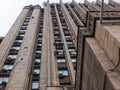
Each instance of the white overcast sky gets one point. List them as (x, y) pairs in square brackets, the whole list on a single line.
[(10, 9)]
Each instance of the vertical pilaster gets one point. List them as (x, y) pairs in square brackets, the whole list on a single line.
[(44, 78), (48, 76), (54, 72), (20, 74)]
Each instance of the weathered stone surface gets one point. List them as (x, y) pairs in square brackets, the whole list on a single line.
[(109, 39), (96, 64)]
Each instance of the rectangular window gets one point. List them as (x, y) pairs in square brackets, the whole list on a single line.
[(22, 35), (39, 44), (69, 42), (37, 60), (37, 70), (59, 49), (8, 67), (73, 59), (12, 56), (27, 18), (3, 79), (16, 48), (26, 21), (63, 72), (38, 51), (61, 60), (18, 41), (23, 28), (25, 24), (40, 34), (57, 41), (67, 36), (35, 84), (71, 49)]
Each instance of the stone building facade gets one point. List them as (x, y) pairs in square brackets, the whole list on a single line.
[(62, 46)]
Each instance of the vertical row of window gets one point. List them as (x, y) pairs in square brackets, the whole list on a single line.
[(10, 60), (36, 64), (74, 19), (59, 50), (79, 16), (69, 41)]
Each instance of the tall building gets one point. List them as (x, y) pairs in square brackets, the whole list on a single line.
[(62, 47)]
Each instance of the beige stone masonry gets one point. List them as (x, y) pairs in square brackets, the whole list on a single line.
[(108, 37), (96, 64)]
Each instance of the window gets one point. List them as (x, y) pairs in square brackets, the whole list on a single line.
[(8, 67), (35, 84), (16, 48), (58, 41), (18, 41), (12, 56), (67, 36), (27, 18), (3, 79), (55, 37), (22, 35), (73, 59), (55, 27), (38, 51), (59, 49), (37, 60), (61, 60), (69, 42), (37, 70), (40, 34), (22, 31), (25, 24), (71, 49), (26, 21), (63, 72), (23, 27), (64, 27), (39, 44)]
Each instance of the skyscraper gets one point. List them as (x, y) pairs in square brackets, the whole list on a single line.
[(40, 50)]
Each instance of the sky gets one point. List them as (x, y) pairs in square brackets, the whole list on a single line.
[(10, 10)]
